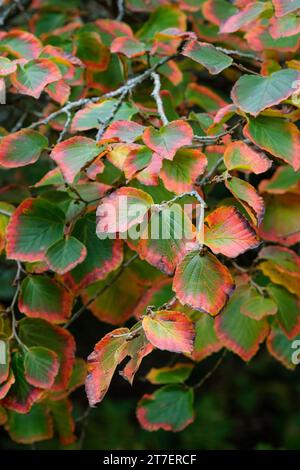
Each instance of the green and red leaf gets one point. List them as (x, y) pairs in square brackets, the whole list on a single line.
[(279, 137), (32, 78), (178, 373), (65, 254), (208, 56), (169, 138), (169, 408), (247, 195), (73, 154), (21, 148), (33, 228), (124, 131), (281, 348), (21, 44), (128, 46), (240, 156), (40, 367), (34, 426), (203, 283), (283, 7), (242, 18)]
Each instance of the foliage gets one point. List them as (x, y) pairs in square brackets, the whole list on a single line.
[(188, 111)]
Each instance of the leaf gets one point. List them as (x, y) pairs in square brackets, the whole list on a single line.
[(243, 17), (179, 175), (286, 26), (169, 330), (158, 294), (93, 115), (40, 367), (137, 348), (103, 256), (42, 297), (169, 408), (3, 416), (169, 138), (128, 46), (284, 179), (167, 16), (34, 426), (117, 302), (7, 66), (73, 154), (281, 223), (91, 50), (280, 277), (240, 156), (247, 195), (21, 395), (228, 232), (257, 306), (6, 386), (280, 347), (208, 56), (102, 363), (4, 359), (21, 148), (34, 226), (236, 331), (178, 373), (123, 131), (61, 411), (21, 44), (253, 93), (164, 238), (31, 78), (36, 332), (288, 315), (217, 11), (122, 210), (203, 283), (286, 260), (65, 254), (277, 136), (206, 341), (283, 7)]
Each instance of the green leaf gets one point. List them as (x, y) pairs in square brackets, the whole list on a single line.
[(253, 94), (162, 18), (40, 366), (36, 332), (61, 411), (21, 148), (208, 56), (169, 408), (288, 315), (237, 332), (34, 227), (43, 297), (65, 254), (34, 426), (281, 348), (170, 375), (206, 340)]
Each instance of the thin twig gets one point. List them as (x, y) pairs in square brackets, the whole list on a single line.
[(111, 115), (247, 55), (213, 138), (210, 372), (156, 95), (66, 126), (121, 10)]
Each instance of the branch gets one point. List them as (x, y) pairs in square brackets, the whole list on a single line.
[(126, 88), (121, 10), (210, 373), (112, 114), (247, 55), (207, 139), (156, 95)]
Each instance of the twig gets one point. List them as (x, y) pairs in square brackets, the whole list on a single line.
[(11, 308), (77, 314), (210, 373), (211, 172), (66, 126), (156, 95), (212, 138), (247, 55), (121, 10), (4, 212)]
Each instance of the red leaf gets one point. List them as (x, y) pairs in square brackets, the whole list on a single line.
[(169, 138), (169, 330), (228, 232)]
